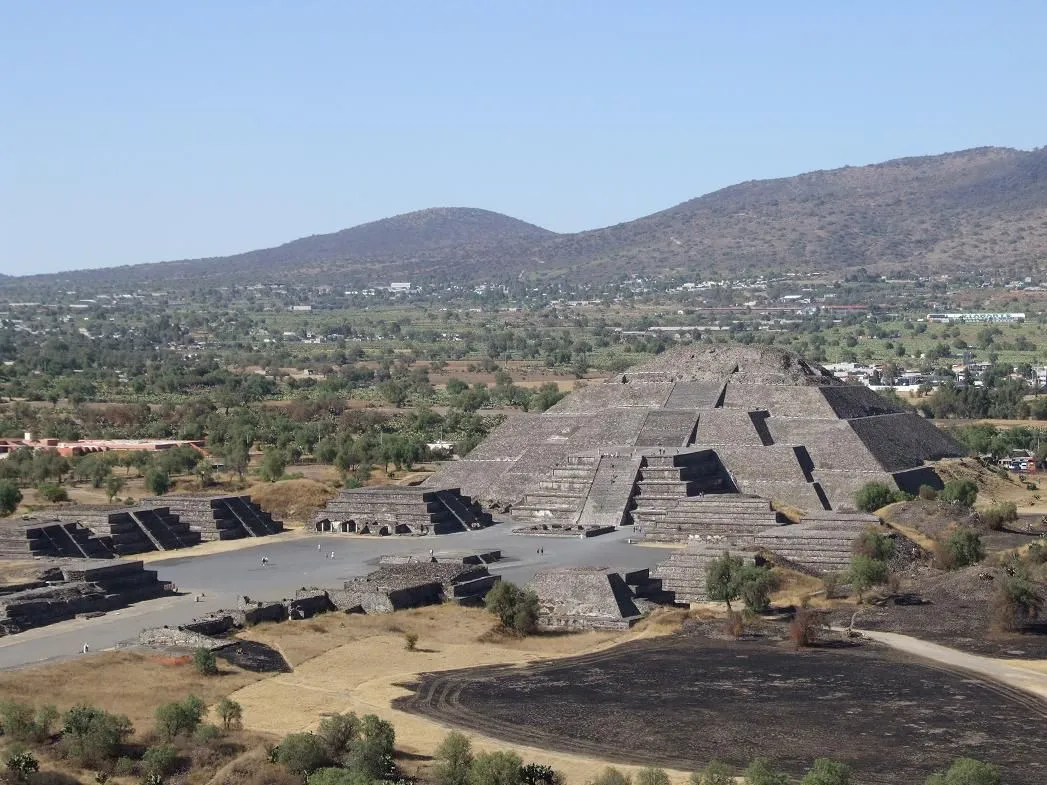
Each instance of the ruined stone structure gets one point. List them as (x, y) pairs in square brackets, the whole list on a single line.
[(698, 421), (84, 587), (395, 587), (222, 517), (683, 573), (394, 509), (591, 598)]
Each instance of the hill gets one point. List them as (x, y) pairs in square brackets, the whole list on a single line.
[(956, 211)]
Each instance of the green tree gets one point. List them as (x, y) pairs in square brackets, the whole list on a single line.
[(91, 736), (715, 773), (723, 578), (159, 760), (302, 753), (516, 608), (10, 497), (761, 772), (454, 757), (755, 585), (866, 572), (52, 492), (113, 486), (157, 482), (962, 492), (496, 768), (274, 462), (230, 712), (372, 753), (827, 772), (339, 732), (967, 771), (20, 722), (179, 717), (205, 662)]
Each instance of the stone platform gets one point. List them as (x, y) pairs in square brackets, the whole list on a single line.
[(394, 509), (222, 517)]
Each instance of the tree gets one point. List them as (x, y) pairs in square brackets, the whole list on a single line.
[(273, 464), (715, 773), (179, 717), (21, 723), (236, 456), (230, 712), (454, 757), (159, 760), (651, 775), (205, 662), (10, 497), (339, 732), (761, 772), (372, 754), (967, 771), (874, 495), (755, 585), (827, 772), (722, 579), (52, 492), (516, 608), (157, 482), (302, 753), (91, 736), (963, 492), (113, 486), (496, 768), (866, 572)]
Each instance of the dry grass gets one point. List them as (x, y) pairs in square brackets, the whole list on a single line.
[(291, 500), (130, 683), (795, 588), (20, 570)]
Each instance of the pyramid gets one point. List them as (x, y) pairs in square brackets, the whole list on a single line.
[(695, 421)]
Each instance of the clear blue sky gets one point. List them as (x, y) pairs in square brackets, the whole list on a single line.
[(143, 131)]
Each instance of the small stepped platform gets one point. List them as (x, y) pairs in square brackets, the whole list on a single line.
[(395, 587), (561, 494), (591, 598), (222, 517), (721, 519), (395, 509), (683, 573), (822, 541), (140, 529), (34, 538)]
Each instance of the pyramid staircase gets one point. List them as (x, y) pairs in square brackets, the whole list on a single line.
[(395, 509), (128, 530), (28, 539), (223, 517), (561, 494)]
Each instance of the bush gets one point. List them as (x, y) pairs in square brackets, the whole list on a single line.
[(516, 608), (22, 764), (928, 493), (651, 776), (10, 497), (540, 774), (755, 585), (231, 713), (996, 516), (337, 777), (410, 640), (832, 582), (339, 732), (866, 572), (52, 492), (205, 662), (874, 545), (612, 776), (961, 548), (20, 722), (159, 760), (827, 772), (715, 773), (760, 772), (496, 768), (372, 753), (734, 624), (962, 492), (803, 629), (1017, 601), (177, 718), (124, 767), (967, 771), (302, 753), (874, 495), (91, 736), (158, 482), (206, 733), (453, 757)]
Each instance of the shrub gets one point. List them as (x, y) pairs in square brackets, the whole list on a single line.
[(337, 777), (410, 640), (962, 548), (722, 579), (10, 497), (874, 545), (52, 492), (496, 768), (803, 629), (760, 772), (612, 776), (20, 722), (206, 733), (734, 624), (967, 771), (832, 582), (866, 573), (651, 776), (205, 662), (540, 774), (159, 760), (231, 713), (962, 492), (22, 764), (177, 718), (928, 493), (874, 495), (454, 756), (715, 773), (755, 585), (158, 482), (124, 767), (996, 516), (91, 736), (338, 732), (1017, 601), (302, 753), (1037, 553), (827, 772), (372, 753), (516, 608)]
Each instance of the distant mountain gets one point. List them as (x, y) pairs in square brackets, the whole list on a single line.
[(985, 207)]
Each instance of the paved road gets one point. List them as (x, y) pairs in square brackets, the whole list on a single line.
[(294, 563)]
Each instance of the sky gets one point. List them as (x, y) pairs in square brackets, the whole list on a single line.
[(137, 131)]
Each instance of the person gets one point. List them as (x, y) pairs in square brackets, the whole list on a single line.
[(265, 561), (85, 649), (317, 546), (332, 554)]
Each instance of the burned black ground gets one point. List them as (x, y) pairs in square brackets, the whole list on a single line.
[(682, 700)]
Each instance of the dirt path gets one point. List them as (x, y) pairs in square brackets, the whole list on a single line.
[(1028, 676), (366, 676)]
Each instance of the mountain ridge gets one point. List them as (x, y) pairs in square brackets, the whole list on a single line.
[(942, 212)]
